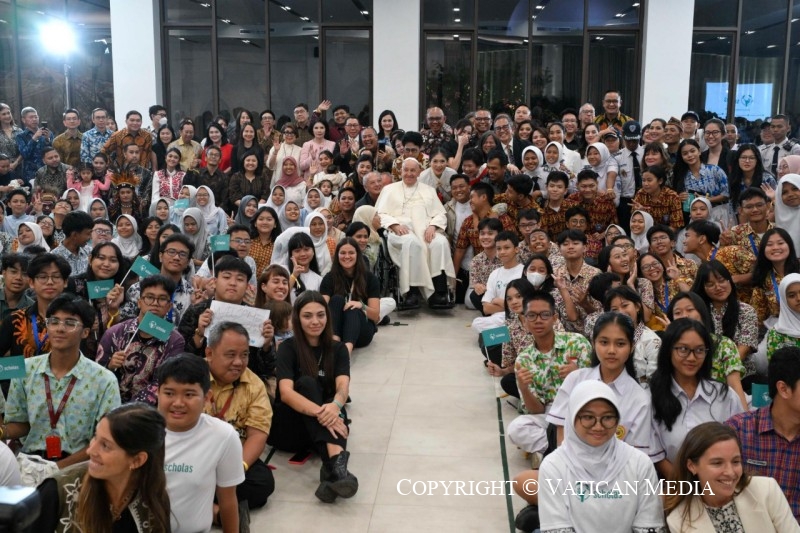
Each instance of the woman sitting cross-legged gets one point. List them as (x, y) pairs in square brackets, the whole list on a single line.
[(313, 374)]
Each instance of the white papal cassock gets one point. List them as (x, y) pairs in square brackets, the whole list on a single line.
[(416, 208)]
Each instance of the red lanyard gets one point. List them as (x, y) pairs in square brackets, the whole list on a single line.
[(221, 413), (54, 416)]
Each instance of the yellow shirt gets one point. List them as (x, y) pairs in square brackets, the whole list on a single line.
[(249, 406)]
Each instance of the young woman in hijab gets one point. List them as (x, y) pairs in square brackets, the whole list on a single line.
[(193, 226), (312, 202), (318, 229), (787, 205), (161, 210), (30, 234), (289, 215), (532, 160), (247, 210), (48, 230), (699, 209), (128, 238), (264, 231), (98, 209), (188, 192), (292, 181), (607, 168), (281, 150), (335, 233), (215, 218), (641, 221), (368, 215), (592, 454), (787, 330), (73, 196)]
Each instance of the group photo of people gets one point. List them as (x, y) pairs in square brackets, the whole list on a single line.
[(187, 298)]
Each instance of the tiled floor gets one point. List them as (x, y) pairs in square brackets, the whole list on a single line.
[(424, 409)]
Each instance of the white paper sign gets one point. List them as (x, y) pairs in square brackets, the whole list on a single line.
[(252, 318)]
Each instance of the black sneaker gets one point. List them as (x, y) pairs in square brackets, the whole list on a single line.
[(528, 519), (385, 321)]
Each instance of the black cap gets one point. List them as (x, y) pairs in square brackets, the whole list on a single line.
[(632, 131), (690, 114), (612, 133)]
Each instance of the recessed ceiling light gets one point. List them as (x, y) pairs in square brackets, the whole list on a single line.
[(365, 12), (772, 46), (457, 20), (456, 9), (226, 21), (245, 41), (749, 32), (455, 36)]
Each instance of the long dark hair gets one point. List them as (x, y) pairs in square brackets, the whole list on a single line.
[(666, 407), (763, 267), (155, 251), (237, 130), (136, 428), (275, 231), (680, 169), (730, 320), (395, 126), (306, 360), (525, 289), (549, 283), (175, 151), (699, 304), (297, 241), (159, 148), (626, 325), (357, 289), (626, 293), (604, 259), (224, 139), (124, 264), (146, 246), (736, 176)]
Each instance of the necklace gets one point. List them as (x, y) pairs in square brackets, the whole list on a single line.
[(116, 512)]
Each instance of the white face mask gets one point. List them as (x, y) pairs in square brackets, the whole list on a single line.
[(536, 278), (163, 121)]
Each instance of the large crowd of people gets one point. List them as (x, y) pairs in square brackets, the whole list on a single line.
[(644, 278)]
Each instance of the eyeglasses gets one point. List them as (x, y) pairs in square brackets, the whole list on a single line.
[(435, 119), (241, 241), (69, 324), (149, 299), (651, 266), (528, 225), (544, 315), (577, 222), (662, 238), (710, 284), (684, 351), (289, 132), (589, 421), (410, 150), (483, 119), (44, 278), (712, 133), (758, 205), (175, 253), (747, 158), (505, 127), (625, 247), (103, 231)]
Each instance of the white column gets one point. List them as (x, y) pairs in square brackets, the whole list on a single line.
[(396, 57), (136, 56), (666, 58)]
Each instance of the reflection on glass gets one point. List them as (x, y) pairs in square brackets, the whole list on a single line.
[(453, 13), (8, 61), (347, 11), (189, 71), (711, 65), (502, 53), (347, 81), (562, 17), (188, 11), (556, 74), (612, 62), (448, 68), (614, 13), (793, 85), (715, 13)]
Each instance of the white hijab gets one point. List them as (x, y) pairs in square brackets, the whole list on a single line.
[(200, 238), (555, 165), (38, 237), (787, 217), (210, 210), (640, 241), (280, 250), (586, 462), (285, 222), (130, 246), (320, 244), (89, 210), (788, 319), (272, 204)]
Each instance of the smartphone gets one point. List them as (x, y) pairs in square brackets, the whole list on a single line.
[(300, 458), (43, 125)]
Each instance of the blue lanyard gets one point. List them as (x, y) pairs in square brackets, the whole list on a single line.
[(665, 306), (172, 307), (713, 254), (775, 289), (753, 244), (40, 343)]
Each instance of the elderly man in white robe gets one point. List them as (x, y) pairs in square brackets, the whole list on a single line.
[(416, 220)]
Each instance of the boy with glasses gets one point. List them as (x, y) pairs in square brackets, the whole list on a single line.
[(63, 395), (133, 355)]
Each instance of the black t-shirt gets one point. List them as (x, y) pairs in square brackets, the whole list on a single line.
[(373, 286), (289, 368)]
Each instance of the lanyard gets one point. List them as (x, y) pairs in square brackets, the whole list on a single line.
[(665, 305), (54, 416), (39, 342), (713, 254), (775, 289), (221, 413), (753, 244), (172, 307)]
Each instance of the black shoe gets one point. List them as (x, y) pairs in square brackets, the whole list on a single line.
[(343, 483), (528, 519), (438, 300), (385, 321), (411, 300), (325, 492)]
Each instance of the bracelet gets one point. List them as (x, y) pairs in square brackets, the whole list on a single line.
[(2, 431), (246, 466), (339, 405)]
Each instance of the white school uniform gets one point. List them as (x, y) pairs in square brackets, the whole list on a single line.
[(496, 288)]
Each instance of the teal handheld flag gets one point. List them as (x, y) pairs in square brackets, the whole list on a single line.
[(98, 289), (155, 326)]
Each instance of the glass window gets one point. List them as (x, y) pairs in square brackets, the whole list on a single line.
[(502, 53), (761, 50), (188, 11), (347, 11), (300, 11), (793, 85), (711, 67), (612, 64), (715, 13), (448, 72), (557, 18), (556, 74), (242, 52), (453, 14), (347, 81), (189, 70), (614, 13), (8, 60)]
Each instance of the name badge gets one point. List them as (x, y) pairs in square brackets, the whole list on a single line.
[(755, 462)]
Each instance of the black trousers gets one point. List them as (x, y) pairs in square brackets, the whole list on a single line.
[(509, 384), (295, 432), (462, 284), (257, 486), (475, 298), (624, 214), (352, 325)]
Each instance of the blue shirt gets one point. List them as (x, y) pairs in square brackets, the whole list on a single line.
[(712, 181), (92, 142), (31, 152)]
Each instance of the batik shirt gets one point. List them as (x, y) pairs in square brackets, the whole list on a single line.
[(181, 300), (567, 348), (480, 267)]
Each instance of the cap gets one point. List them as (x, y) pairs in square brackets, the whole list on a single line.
[(632, 131), (612, 133), (690, 114)]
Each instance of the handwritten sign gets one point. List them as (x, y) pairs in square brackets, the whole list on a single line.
[(495, 336), (252, 318), (98, 289), (12, 367), (156, 326)]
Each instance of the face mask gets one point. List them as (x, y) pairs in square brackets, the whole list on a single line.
[(536, 278), (163, 121)]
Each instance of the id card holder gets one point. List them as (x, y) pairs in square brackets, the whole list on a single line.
[(321, 373), (53, 446)]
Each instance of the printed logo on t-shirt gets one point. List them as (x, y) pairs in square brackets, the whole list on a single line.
[(182, 468)]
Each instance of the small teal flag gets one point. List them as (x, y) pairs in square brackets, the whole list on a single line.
[(12, 367), (183, 203), (143, 268), (220, 243), (98, 289), (155, 326), (495, 336)]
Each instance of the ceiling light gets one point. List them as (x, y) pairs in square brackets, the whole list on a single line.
[(226, 21), (636, 4), (772, 46), (306, 19), (455, 36), (245, 41), (457, 20), (456, 9), (795, 20), (620, 15), (286, 8), (539, 7), (700, 42), (205, 5), (365, 13), (749, 32), (599, 38)]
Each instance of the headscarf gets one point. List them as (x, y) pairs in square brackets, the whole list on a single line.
[(241, 218), (333, 231), (560, 154), (198, 239), (705, 201), (102, 202), (272, 204), (539, 157), (286, 223), (586, 462), (640, 241), (176, 214), (365, 214), (290, 180), (130, 246), (622, 231), (64, 196), (787, 217), (154, 205), (320, 243), (38, 237), (788, 319), (280, 250), (321, 199), (605, 156), (210, 210), (793, 162)]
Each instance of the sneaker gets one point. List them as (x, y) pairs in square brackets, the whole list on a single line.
[(528, 519)]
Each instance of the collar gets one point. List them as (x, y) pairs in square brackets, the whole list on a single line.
[(620, 386), (560, 341), (699, 393), (180, 142), (764, 420), (80, 369), (244, 378)]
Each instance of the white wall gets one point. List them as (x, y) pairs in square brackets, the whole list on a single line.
[(136, 56), (667, 58), (396, 57)]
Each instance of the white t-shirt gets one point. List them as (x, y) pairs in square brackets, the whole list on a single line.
[(197, 462), (616, 513), (498, 279), (9, 469)]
